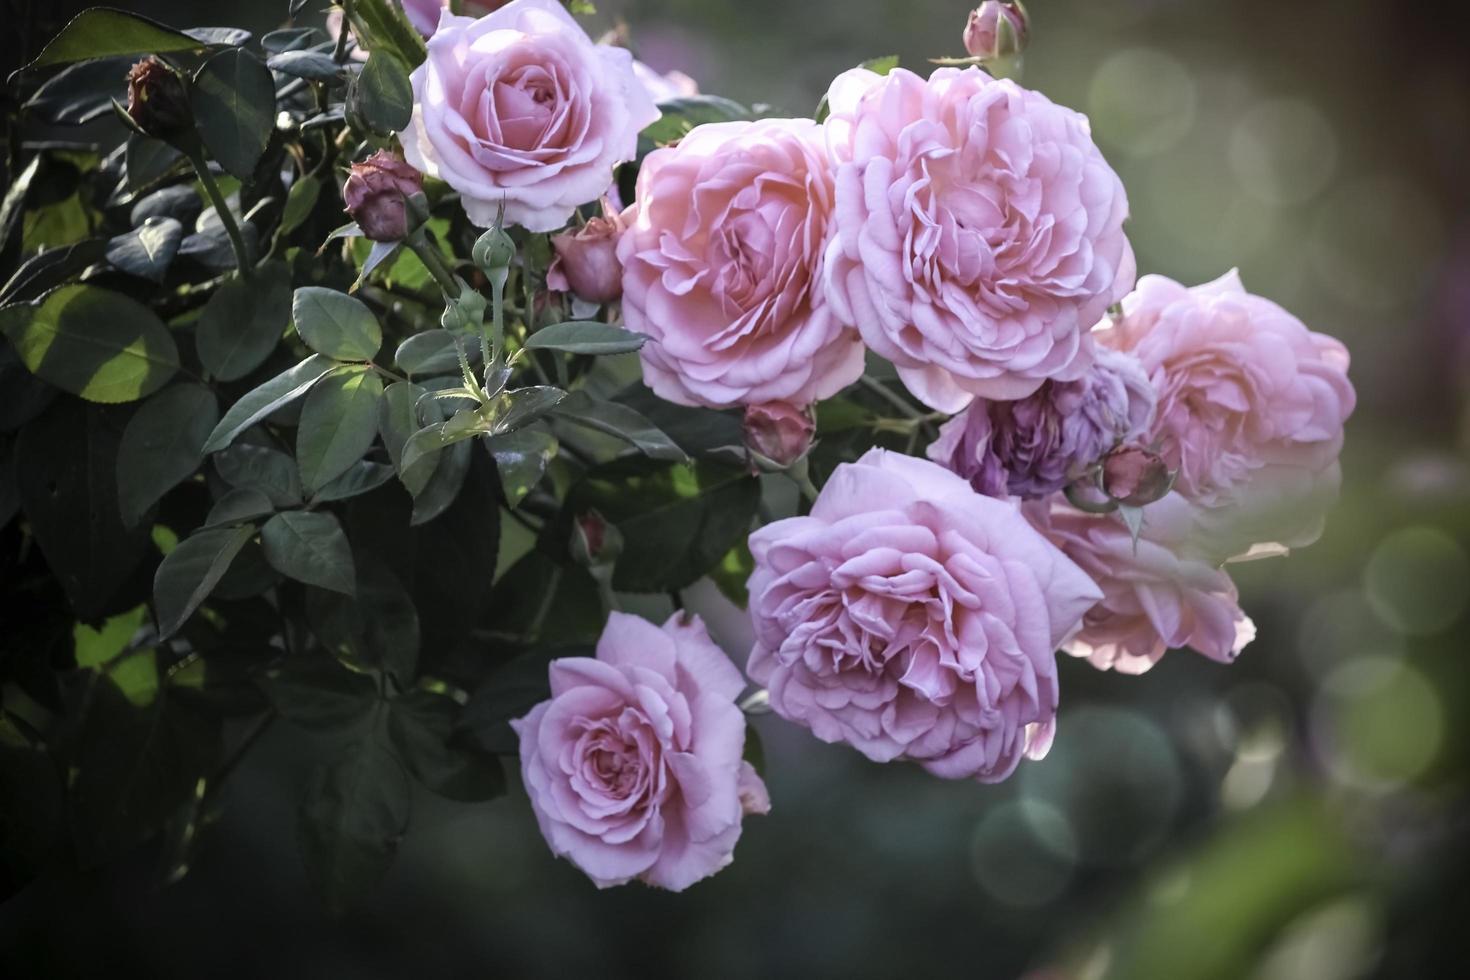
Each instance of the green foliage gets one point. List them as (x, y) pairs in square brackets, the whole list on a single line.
[(381, 96), (102, 32), (582, 337), (234, 104)]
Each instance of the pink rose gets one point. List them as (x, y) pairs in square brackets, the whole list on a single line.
[(979, 232), (376, 195), (722, 268), (634, 765), (521, 107), (1155, 596), (665, 88), (914, 619), (779, 433), (586, 260), (1251, 407), (996, 28)]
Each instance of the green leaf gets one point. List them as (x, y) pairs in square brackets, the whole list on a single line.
[(319, 694), (381, 95), (51, 268), (338, 425), (103, 33), (380, 25), (521, 458), (360, 478), (420, 456), (234, 103), (585, 337), (148, 250), (620, 421), (81, 93), (510, 692), (421, 726), (261, 468), (355, 812), (698, 431), (243, 321), (149, 160), (336, 324), (429, 352), (66, 478), (189, 573), (677, 522), (378, 630), (682, 115), (281, 390), (238, 506), (94, 343), (309, 546), (299, 203), (162, 446), (398, 417), (318, 66), (445, 484)]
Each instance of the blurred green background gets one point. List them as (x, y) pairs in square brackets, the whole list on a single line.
[(1301, 815)]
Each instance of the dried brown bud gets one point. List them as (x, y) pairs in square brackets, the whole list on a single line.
[(157, 102)]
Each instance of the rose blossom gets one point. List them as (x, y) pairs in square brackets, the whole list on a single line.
[(778, 432), (634, 765), (979, 232), (914, 619), (1041, 443), (586, 260), (722, 266), (984, 31), (521, 107), (1156, 595), (1251, 407), (664, 87), (376, 195)]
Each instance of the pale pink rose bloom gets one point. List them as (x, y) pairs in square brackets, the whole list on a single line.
[(521, 107), (634, 766), (722, 268), (1156, 595), (1251, 407), (979, 232), (666, 87), (913, 618)]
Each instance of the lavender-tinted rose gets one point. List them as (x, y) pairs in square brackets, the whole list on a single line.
[(521, 107), (979, 232), (722, 268), (985, 37), (1251, 407), (912, 618), (634, 766), (586, 260), (1156, 595), (779, 432), (1039, 444)]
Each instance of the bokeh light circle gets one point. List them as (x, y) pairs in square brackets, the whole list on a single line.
[(1418, 581), (1023, 853), (1142, 101), (1380, 722), (1283, 151)]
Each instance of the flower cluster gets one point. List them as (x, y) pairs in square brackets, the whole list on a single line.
[(1112, 443)]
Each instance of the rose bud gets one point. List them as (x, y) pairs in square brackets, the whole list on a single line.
[(1134, 476), (586, 260), (376, 195), (996, 29), (157, 101), (596, 542), (778, 434)]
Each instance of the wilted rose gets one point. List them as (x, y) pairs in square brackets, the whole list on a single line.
[(376, 195), (157, 101)]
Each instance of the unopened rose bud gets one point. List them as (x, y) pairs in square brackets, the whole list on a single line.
[(376, 195), (586, 261), (596, 542), (1133, 476), (157, 101), (778, 434), (996, 29)]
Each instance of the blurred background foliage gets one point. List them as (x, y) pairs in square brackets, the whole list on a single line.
[(1301, 815)]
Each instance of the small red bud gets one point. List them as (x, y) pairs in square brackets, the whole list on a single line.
[(156, 99)]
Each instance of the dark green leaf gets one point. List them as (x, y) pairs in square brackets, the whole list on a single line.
[(219, 36), (621, 422), (338, 425), (244, 320), (677, 522), (310, 547), (429, 352), (454, 564), (319, 694), (51, 268), (262, 401), (381, 96), (521, 458), (102, 33), (299, 202), (379, 630), (362, 477), (319, 66), (585, 337), (698, 431), (238, 506), (509, 693), (336, 324), (148, 160), (162, 446), (81, 93), (263, 469), (380, 25), (148, 250), (94, 343), (234, 103), (525, 405), (189, 573), (66, 473), (398, 417), (354, 814), (421, 725), (444, 485), (682, 115)]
